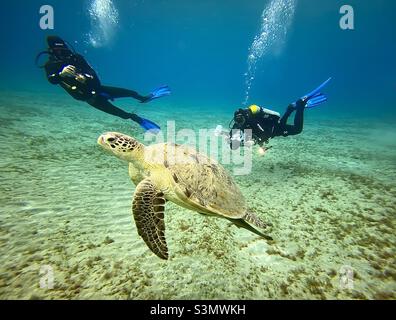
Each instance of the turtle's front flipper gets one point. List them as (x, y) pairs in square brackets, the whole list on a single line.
[(148, 208)]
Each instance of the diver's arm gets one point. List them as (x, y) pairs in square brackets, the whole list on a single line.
[(54, 78), (87, 71), (57, 71), (53, 70), (85, 79)]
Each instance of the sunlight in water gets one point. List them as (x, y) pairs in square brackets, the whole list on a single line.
[(276, 19), (104, 21)]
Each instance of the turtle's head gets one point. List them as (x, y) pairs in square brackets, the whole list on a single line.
[(121, 145)]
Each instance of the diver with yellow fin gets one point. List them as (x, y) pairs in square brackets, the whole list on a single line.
[(266, 124), (73, 73)]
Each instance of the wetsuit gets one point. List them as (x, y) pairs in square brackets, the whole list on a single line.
[(87, 86), (266, 124)]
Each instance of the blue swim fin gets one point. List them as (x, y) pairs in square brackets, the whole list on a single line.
[(148, 125), (159, 93), (316, 92), (316, 101), (315, 97)]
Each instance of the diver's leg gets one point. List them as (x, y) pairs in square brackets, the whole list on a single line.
[(105, 106), (285, 117), (115, 93), (297, 127), (284, 129)]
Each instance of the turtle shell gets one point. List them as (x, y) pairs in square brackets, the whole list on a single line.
[(203, 183)]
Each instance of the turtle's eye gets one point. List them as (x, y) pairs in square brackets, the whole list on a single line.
[(110, 139)]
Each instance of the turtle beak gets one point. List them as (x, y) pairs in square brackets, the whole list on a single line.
[(101, 140), (105, 138)]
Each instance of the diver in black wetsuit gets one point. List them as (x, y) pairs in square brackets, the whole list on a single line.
[(266, 124), (72, 72)]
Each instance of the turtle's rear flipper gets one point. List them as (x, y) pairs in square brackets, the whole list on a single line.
[(148, 209), (240, 223)]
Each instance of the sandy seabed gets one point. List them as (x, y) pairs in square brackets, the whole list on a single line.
[(330, 195)]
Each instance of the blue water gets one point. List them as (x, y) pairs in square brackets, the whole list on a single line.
[(200, 49)]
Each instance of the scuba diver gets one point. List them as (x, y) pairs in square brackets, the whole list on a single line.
[(266, 124), (72, 72)]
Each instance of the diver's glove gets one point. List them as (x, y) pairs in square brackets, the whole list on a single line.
[(158, 93)]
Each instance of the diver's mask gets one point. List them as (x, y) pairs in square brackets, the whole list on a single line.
[(58, 48), (61, 52), (240, 118)]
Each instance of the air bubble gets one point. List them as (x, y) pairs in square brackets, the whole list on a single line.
[(276, 20)]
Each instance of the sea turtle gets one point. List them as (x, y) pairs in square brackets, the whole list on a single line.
[(177, 173)]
